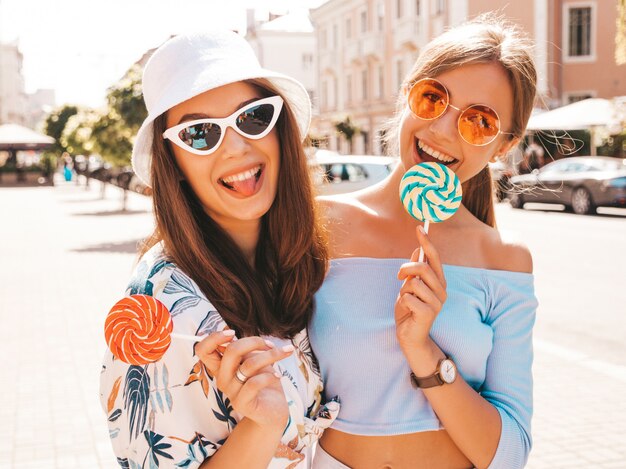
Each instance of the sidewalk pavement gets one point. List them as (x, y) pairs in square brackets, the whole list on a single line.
[(67, 255)]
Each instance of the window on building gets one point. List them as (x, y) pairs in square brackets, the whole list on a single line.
[(348, 28), (335, 93), (399, 8), (323, 43), (380, 13), (579, 29), (324, 95), (418, 8), (366, 142), (364, 21), (381, 81), (400, 69), (335, 36), (364, 84), (440, 7), (349, 88), (307, 61)]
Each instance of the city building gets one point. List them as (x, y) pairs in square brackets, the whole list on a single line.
[(366, 47), (13, 99), (38, 105), (286, 44)]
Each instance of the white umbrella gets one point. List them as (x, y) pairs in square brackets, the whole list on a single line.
[(17, 137), (588, 114)]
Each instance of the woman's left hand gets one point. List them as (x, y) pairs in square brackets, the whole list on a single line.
[(421, 297)]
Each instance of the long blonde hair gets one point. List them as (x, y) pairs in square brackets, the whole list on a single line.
[(485, 39)]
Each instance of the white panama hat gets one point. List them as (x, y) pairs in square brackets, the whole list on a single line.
[(188, 65)]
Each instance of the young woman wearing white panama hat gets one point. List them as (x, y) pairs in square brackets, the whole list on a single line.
[(237, 251)]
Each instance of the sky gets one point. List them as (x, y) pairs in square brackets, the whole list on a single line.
[(81, 47)]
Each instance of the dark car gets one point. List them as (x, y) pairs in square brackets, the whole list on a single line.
[(581, 183)]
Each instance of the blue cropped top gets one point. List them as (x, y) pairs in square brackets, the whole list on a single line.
[(485, 327)]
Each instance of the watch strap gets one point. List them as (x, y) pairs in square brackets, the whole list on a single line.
[(429, 381)]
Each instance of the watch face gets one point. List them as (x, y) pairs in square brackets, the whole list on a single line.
[(448, 371)]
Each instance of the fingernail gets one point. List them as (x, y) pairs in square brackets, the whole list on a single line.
[(287, 348), (270, 344), (228, 332), (278, 375), (421, 229)]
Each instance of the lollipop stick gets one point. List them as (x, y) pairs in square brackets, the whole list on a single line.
[(193, 338), (426, 225)]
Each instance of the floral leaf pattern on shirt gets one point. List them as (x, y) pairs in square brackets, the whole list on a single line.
[(155, 448), (287, 451), (141, 283), (197, 450), (211, 323), (303, 346), (158, 417), (113, 394), (225, 408), (136, 391), (199, 373)]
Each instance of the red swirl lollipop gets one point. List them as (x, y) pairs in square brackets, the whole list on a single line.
[(138, 329)]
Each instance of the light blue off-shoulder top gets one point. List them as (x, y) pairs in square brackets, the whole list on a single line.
[(485, 326)]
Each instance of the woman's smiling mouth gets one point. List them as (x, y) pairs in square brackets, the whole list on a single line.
[(246, 182), (427, 153)]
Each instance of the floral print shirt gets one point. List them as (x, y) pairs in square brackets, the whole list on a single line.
[(170, 413)]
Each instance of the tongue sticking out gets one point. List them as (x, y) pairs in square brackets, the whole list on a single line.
[(246, 187)]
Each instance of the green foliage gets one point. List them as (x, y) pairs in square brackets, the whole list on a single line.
[(126, 99), (107, 132), (55, 123), (347, 128), (48, 163), (112, 139), (76, 137), (112, 131)]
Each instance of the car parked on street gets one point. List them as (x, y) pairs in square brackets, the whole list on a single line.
[(581, 183), (334, 173), (500, 175)]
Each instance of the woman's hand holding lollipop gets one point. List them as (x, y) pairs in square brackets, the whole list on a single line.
[(430, 192), (138, 331)]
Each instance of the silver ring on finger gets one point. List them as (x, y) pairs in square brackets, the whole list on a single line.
[(240, 376)]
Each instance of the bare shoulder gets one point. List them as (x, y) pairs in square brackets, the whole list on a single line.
[(343, 215), (506, 251), (342, 207)]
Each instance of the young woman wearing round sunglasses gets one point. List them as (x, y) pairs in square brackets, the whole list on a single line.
[(432, 361), (237, 252)]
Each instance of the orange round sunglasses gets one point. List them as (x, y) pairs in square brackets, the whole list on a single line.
[(478, 124)]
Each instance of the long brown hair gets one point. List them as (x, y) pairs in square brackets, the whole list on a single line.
[(485, 39), (275, 296)]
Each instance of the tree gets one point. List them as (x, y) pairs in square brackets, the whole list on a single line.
[(111, 138), (348, 129), (76, 136), (115, 128), (126, 99), (55, 123)]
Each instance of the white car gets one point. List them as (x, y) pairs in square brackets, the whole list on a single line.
[(336, 174)]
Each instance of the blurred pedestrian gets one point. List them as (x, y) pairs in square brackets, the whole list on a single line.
[(68, 166), (533, 158), (236, 250), (434, 370)]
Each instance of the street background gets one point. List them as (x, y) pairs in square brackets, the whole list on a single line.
[(67, 254)]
